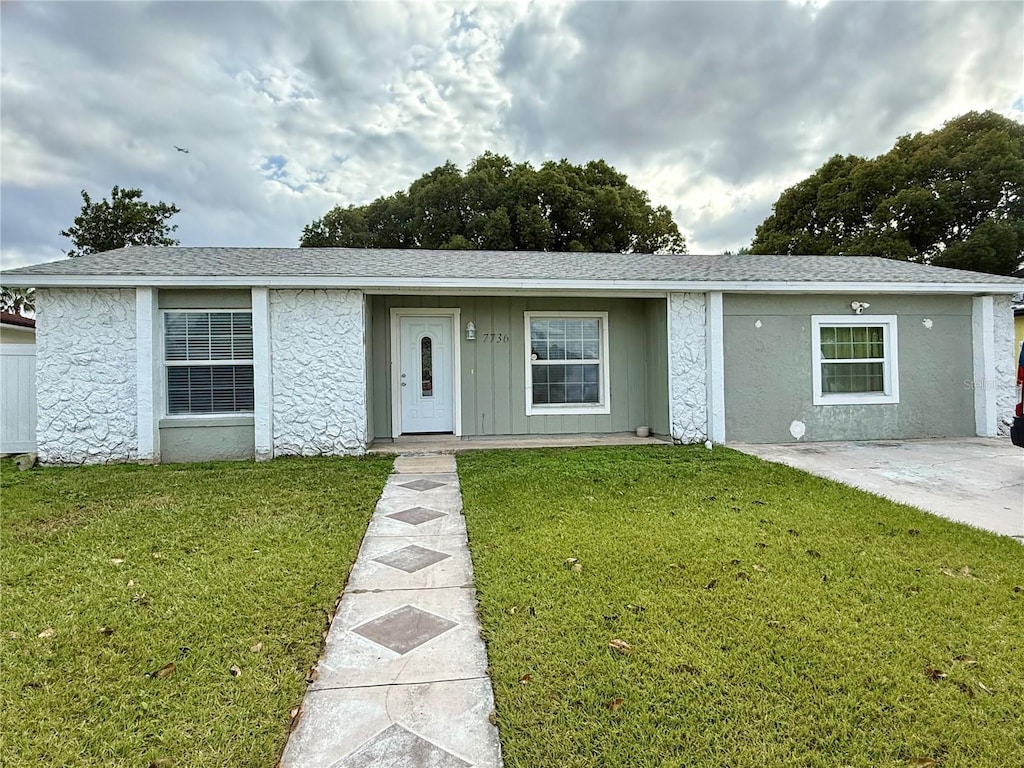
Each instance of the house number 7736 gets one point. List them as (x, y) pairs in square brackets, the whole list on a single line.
[(494, 338)]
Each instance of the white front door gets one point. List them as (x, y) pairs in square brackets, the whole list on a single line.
[(426, 373)]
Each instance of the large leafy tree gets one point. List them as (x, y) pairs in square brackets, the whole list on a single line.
[(953, 197), (499, 205), (126, 219)]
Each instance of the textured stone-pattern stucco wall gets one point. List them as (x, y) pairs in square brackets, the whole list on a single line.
[(85, 375), (687, 355), (1006, 362), (318, 372)]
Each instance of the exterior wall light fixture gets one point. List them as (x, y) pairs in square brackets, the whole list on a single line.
[(470, 330)]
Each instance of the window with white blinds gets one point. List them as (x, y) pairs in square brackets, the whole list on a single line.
[(208, 358)]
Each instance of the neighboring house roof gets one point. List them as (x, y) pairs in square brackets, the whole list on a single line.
[(426, 269), (9, 318)]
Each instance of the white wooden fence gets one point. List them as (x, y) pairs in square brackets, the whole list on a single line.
[(17, 398)]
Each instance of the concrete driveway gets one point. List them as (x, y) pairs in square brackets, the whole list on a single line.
[(976, 480)]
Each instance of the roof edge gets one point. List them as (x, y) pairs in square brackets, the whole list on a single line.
[(13, 320), (498, 285)]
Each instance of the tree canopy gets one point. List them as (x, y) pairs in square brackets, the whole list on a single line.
[(498, 205), (126, 219), (953, 197)]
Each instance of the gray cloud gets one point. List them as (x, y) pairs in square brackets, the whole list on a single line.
[(748, 88), (291, 108), (752, 94)]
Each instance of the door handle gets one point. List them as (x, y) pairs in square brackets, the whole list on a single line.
[(403, 383)]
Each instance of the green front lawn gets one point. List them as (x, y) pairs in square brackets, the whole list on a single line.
[(169, 615), (765, 617)]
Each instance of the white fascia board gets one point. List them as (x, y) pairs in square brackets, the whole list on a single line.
[(490, 286)]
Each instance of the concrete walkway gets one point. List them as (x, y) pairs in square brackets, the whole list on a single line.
[(403, 679)]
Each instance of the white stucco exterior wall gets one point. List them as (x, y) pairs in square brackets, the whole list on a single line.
[(318, 372), (687, 367), (86, 375), (1005, 362)]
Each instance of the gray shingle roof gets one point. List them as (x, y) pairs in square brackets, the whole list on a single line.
[(365, 265)]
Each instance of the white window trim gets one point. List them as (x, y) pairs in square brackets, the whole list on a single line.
[(165, 364), (890, 365), (603, 406)]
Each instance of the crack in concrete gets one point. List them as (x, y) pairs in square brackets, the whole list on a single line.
[(326, 688), (405, 589)]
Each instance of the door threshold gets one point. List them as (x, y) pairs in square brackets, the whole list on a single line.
[(413, 438)]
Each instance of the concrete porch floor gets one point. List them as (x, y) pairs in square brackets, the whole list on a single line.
[(416, 444)]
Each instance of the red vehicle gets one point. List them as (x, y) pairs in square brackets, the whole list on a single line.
[(1017, 429)]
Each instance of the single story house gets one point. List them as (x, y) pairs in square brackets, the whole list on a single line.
[(173, 354)]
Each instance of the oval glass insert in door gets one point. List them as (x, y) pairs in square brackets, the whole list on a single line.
[(427, 366)]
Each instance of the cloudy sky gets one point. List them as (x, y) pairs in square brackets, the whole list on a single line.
[(288, 109)]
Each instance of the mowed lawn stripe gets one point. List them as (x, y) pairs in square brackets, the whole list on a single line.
[(772, 618), (127, 570)]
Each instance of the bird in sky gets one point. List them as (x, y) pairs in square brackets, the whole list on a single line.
[(180, 149)]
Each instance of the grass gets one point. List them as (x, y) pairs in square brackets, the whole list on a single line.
[(772, 618), (111, 574)]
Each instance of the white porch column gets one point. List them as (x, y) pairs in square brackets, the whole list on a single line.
[(715, 339), (985, 381), (262, 384), (148, 374)]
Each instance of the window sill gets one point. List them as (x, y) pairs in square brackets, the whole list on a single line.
[(211, 420), (879, 399), (568, 410)]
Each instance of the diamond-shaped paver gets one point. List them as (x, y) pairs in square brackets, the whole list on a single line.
[(412, 558), (422, 484), (416, 515), (404, 628), (399, 747)]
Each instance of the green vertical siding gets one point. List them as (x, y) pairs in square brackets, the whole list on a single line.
[(768, 376), (656, 316), (494, 374), (380, 366)]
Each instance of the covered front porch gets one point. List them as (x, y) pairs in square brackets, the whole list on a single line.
[(459, 370)]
